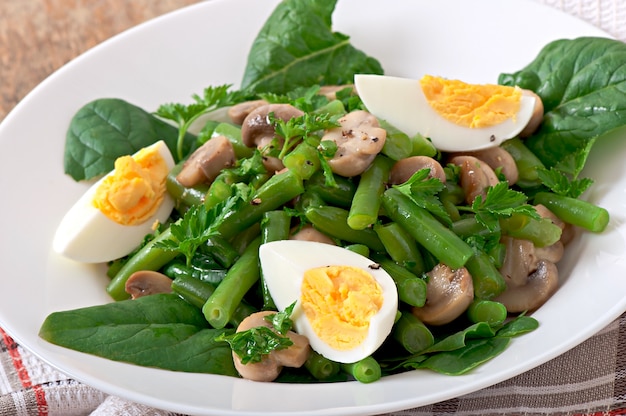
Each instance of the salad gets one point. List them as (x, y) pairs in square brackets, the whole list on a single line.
[(229, 223)]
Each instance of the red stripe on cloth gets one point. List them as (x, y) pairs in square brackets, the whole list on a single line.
[(614, 412), (22, 373)]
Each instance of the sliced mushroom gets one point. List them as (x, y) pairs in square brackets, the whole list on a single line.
[(271, 365), (359, 139), (256, 126), (537, 117), (498, 157), (476, 176), (309, 233), (403, 169), (519, 261), (147, 282), (257, 131), (239, 112), (207, 162), (449, 292), (539, 286)]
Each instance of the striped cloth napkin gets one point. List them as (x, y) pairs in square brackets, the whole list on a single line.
[(29, 387)]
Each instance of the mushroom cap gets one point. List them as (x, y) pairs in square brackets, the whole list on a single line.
[(448, 294), (310, 233), (476, 176), (359, 139), (147, 282), (271, 365), (403, 169), (207, 161), (498, 157), (539, 286), (257, 125), (238, 112), (537, 117)]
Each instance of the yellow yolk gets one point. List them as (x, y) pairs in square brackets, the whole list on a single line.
[(339, 302), (471, 105), (133, 193)]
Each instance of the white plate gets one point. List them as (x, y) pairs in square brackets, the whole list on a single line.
[(173, 57)]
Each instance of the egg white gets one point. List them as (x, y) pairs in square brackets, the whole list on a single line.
[(402, 103), (86, 235), (284, 263)]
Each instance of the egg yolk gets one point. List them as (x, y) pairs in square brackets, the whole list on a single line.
[(135, 190), (471, 105), (339, 302)]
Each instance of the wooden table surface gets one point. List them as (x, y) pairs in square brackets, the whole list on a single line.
[(37, 37)]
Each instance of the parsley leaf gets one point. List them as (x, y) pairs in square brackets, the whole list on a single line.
[(252, 344), (213, 97), (281, 321), (559, 183), (197, 226), (423, 191), (501, 201)]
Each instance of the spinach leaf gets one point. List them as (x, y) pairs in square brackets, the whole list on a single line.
[(462, 360), (297, 47), (161, 331), (107, 128), (582, 83)]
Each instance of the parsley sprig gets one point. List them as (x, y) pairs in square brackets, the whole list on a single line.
[(197, 226), (424, 192), (500, 201), (560, 183), (253, 344), (184, 115)]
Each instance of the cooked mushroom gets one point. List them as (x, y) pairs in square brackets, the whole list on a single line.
[(530, 274), (309, 233), (270, 366), (206, 162), (476, 176), (147, 282), (448, 294), (359, 139), (257, 131), (238, 112), (403, 169), (538, 287), (568, 231), (498, 157), (537, 117)]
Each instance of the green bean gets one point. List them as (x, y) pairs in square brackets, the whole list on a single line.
[(196, 292), (412, 334), (275, 226), (147, 258), (219, 191), (184, 196), (333, 221), (427, 231), (401, 246), (210, 275), (222, 251), (277, 191), (339, 195), (361, 249), (526, 161), (366, 202), (233, 134), (411, 288), (244, 238), (575, 211), (489, 311), (304, 160), (398, 145), (469, 227), (321, 367), (309, 198), (542, 232), (366, 370), (422, 146), (487, 280), (221, 305)]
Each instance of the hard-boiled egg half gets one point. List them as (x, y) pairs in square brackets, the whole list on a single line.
[(346, 304), (114, 215), (454, 115)]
